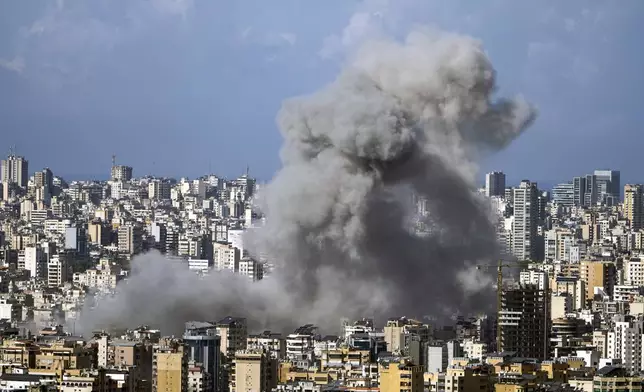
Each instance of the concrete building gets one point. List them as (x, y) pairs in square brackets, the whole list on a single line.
[(233, 332), (33, 260), (300, 343), (523, 321), (401, 377), (598, 275), (121, 173), (99, 233), (226, 257), (58, 270), (169, 368), (564, 195), (130, 239), (160, 233), (14, 170), (254, 372), (199, 265), (272, 343), (397, 332), (633, 271), (575, 287), (590, 194), (579, 191), (624, 342), (534, 277), (495, 184), (251, 268), (439, 356), (159, 190), (524, 229), (608, 186), (202, 345), (634, 205), (76, 239)]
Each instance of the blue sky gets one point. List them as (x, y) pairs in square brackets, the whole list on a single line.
[(173, 87)]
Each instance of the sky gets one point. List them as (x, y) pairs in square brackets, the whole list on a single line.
[(186, 87)]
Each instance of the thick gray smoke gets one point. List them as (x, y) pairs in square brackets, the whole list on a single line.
[(401, 120)]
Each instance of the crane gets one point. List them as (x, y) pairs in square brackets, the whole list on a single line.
[(500, 265)]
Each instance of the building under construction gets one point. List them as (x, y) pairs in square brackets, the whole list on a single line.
[(523, 321)]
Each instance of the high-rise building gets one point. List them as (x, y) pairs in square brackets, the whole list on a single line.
[(608, 186), (14, 170), (130, 239), (523, 321), (534, 277), (579, 191), (598, 275), (495, 184), (169, 368), (254, 371), (439, 356), (247, 185), (57, 270), (590, 195), (226, 257), (44, 184), (251, 268), (564, 194), (33, 259), (44, 178), (633, 205), (203, 345), (99, 233), (509, 195), (76, 239), (172, 241), (625, 343), (159, 190), (234, 334), (160, 233), (121, 173), (524, 227)]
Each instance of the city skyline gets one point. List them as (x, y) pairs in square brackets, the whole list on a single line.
[(452, 202), (201, 100)]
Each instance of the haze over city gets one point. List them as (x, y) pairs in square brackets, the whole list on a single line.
[(321, 196)]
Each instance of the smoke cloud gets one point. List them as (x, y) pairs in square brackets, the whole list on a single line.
[(403, 122)]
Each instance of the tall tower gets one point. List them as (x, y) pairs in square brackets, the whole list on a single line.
[(633, 209), (203, 346), (579, 190), (608, 186), (526, 215), (15, 170), (590, 195), (495, 184), (523, 321)]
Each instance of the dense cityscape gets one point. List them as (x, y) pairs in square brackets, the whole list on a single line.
[(572, 318)]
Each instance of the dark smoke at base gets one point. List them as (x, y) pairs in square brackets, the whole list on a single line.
[(401, 119)]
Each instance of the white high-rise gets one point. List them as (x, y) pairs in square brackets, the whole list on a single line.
[(14, 170), (625, 342), (524, 227), (226, 257), (537, 278), (495, 184), (159, 190)]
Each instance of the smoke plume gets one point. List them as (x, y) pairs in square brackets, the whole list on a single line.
[(403, 122)]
